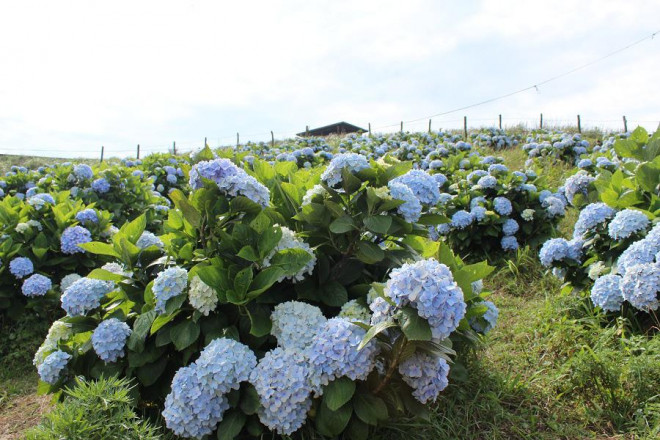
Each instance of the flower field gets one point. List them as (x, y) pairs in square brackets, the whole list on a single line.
[(410, 285)]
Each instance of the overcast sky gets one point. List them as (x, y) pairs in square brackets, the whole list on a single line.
[(75, 75)]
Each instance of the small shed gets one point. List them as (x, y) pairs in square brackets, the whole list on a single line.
[(336, 128)]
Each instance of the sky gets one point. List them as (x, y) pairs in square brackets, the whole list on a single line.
[(78, 75)]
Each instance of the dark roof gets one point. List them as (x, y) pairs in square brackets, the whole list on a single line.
[(336, 128)]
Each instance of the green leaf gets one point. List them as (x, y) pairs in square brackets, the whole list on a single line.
[(184, 334), (141, 328), (259, 319), (248, 253), (264, 280), (357, 430), (370, 409), (374, 331), (98, 248), (334, 294), (105, 275), (332, 423), (338, 392), (149, 374), (369, 252), (231, 425), (249, 400), (378, 224), (415, 327), (342, 225), (189, 212), (134, 229), (291, 260), (268, 239), (242, 281), (433, 219)]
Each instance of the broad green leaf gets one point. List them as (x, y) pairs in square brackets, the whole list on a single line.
[(332, 423), (370, 409), (98, 248), (378, 224), (342, 225), (413, 326), (231, 425), (338, 392), (189, 212), (184, 334), (369, 252), (374, 331), (334, 294)]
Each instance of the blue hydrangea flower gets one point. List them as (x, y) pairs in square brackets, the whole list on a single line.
[(440, 179), (554, 206), (39, 200), (641, 285), (245, 185), (171, 178), (36, 285), (487, 322), (109, 339), (626, 223), (422, 185), (509, 243), (411, 209), (191, 410), (101, 185), (544, 194), (461, 219), (640, 252), (87, 215), (138, 173), (352, 161), (334, 354), (510, 227), (216, 170), (478, 213), (585, 163), (50, 370), (295, 324), (591, 216), (426, 375), (430, 288), (476, 175), (148, 239), (72, 237), (83, 171), (84, 295), (606, 293), (230, 179), (224, 364), (502, 206), (282, 381), (487, 182), (169, 283), (21, 267), (553, 250), (497, 168), (577, 184), (574, 249)]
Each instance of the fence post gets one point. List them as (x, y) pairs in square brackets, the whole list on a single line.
[(429, 126), (205, 143), (625, 125), (138, 151), (306, 130), (541, 122), (401, 126), (102, 149), (174, 147), (465, 127), (272, 139), (500, 122), (369, 129), (238, 140), (579, 124)]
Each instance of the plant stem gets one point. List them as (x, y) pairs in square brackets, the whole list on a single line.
[(392, 367)]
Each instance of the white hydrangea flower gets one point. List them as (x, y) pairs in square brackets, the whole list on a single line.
[(290, 241), (354, 311), (68, 280), (317, 190), (22, 228), (58, 331), (202, 296), (527, 215)]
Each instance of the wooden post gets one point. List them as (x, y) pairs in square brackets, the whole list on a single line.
[(205, 144), (401, 126), (174, 148), (307, 130), (102, 150), (369, 129), (541, 122), (465, 127), (500, 122), (272, 139), (625, 125), (138, 151), (429, 126), (579, 124), (238, 140)]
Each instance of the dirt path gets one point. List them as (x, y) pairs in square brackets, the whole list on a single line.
[(21, 413)]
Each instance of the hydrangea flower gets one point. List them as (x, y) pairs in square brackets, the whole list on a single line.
[(422, 185), (169, 283), (36, 285), (202, 297), (381, 310), (509, 243), (84, 295), (39, 200), (640, 286), (352, 161), (411, 209), (334, 354), (354, 311), (57, 332), (426, 375), (477, 286), (101, 185), (489, 317), (527, 214), (487, 182), (50, 370), (497, 168), (626, 223), (440, 179), (191, 410), (21, 267), (87, 215), (502, 205), (109, 339), (591, 216), (606, 293), (510, 227), (224, 364), (554, 206), (577, 184), (83, 171), (478, 213), (555, 249), (290, 240), (640, 252), (68, 280), (72, 237), (312, 193), (148, 239), (430, 288), (282, 382), (461, 219), (171, 178), (295, 324)]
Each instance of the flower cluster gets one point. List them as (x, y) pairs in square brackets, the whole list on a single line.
[(58, 331), (84, 295), (289, 240), (230, 179), (626, 223), (488, 321), (72, 237), (591, 216), (351, 161), (169, 283), (148, 239), (295, 324), (36, 285), (21, 267), (109, 339), (50, 370), (426, 374), (202, 296), (411, 208), (101, 185), (423, 186), (87, 215)]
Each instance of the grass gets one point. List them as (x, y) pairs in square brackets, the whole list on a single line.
[(34, 162)]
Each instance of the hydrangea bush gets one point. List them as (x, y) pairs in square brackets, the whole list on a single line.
[(280, 300)]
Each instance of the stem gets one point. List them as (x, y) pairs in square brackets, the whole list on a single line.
[(392, 367)]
